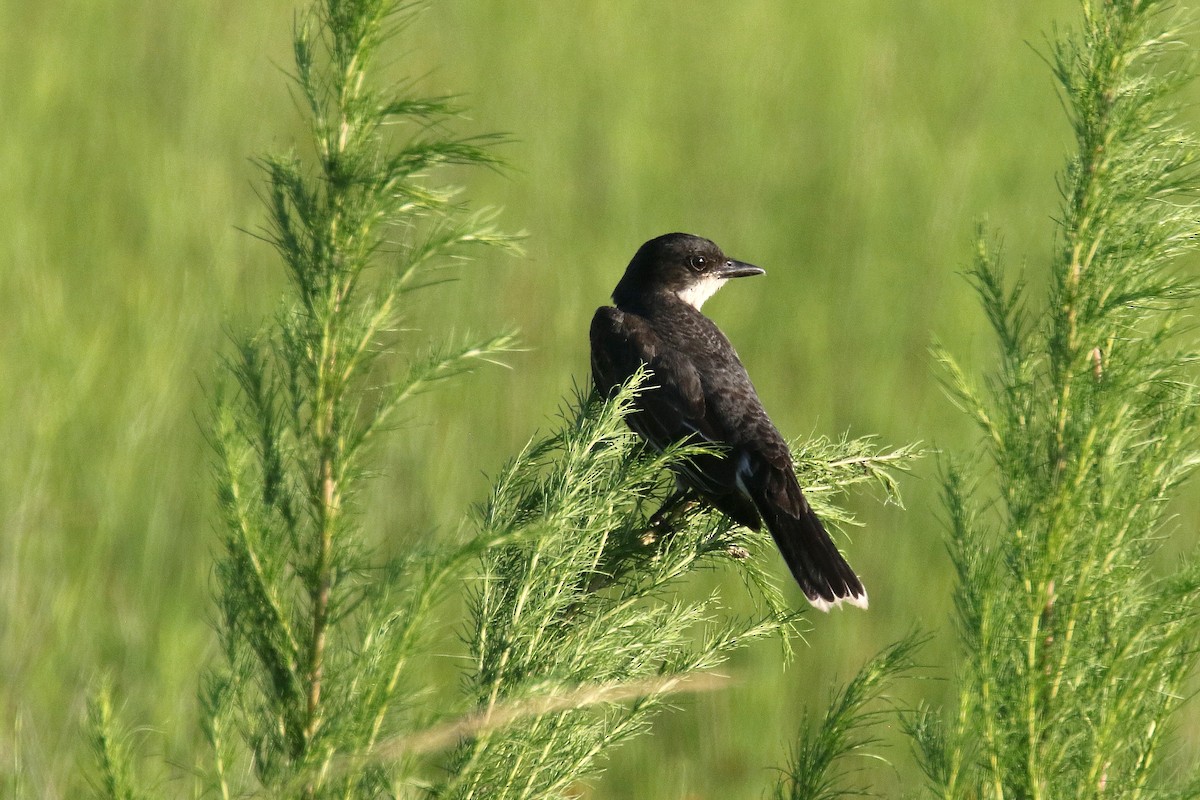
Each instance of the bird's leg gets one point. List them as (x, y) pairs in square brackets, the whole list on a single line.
[(663, 522), (661, 525)]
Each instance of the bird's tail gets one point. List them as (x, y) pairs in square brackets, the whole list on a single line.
[(824, 576)]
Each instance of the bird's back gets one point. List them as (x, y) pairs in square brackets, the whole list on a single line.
[(693, 349)]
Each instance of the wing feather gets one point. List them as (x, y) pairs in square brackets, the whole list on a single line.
[(673, 407)]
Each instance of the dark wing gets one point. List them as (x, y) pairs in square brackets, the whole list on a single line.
[(672, 408), (673, 403)]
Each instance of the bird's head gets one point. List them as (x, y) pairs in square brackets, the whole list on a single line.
[(690, 267)]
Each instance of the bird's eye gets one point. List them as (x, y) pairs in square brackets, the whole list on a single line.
[(698, 263)]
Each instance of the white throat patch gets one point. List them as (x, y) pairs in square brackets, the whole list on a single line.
[(701, 290)]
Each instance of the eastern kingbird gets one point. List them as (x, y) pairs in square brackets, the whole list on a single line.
[(699, 392)]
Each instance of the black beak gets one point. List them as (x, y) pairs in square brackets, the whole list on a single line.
[(739, 269)]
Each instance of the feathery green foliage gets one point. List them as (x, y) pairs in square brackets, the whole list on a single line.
[(816, 770), (585, 596), (1075, 648), (113, 778), (317, 637)]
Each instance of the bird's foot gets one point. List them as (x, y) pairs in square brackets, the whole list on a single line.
[(664, 523), (737, 552)]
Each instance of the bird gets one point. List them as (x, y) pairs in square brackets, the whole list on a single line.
[(699, 392)]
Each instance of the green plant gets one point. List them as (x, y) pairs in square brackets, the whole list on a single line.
[(318, 638), (574, 636), (1075, 648), (587, 595), (817, 769), (110, 747)]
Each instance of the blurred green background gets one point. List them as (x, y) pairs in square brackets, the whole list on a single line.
[(848, 148)]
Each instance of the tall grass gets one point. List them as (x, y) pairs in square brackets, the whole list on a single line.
[(121, 250)]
